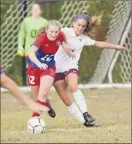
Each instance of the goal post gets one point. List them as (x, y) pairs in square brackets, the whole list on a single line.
[(125, 65), (9, 32), (119, 30)]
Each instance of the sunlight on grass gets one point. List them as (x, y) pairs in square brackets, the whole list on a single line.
[(110, 107)]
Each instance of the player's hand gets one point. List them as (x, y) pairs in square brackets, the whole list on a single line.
[(42, 66), (33, 106), (20, 53), (70, 52), (120, 47)]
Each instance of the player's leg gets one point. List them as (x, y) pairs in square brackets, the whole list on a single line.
[(62, 90), (46, 81), (34, 82), (10, 85), (35, 91), (72, 82), (51, 111)]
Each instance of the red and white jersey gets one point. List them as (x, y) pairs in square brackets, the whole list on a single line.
[(76, 43), (46, 49)]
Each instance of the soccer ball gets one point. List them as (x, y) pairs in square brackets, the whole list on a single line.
[(36, 125)]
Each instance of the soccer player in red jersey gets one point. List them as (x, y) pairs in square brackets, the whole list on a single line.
[(9, 84), (41, 63), (29, 30)]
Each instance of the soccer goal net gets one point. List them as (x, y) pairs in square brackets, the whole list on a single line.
[(112, 67)]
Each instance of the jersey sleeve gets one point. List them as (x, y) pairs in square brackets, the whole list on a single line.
[(88, 41), (21, 35), (61, 37), (39, 41)]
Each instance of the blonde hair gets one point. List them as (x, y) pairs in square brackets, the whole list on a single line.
[(54, 22), (51, 22)]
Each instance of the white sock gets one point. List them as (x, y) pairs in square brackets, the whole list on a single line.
[(74, 110), (80, 101)]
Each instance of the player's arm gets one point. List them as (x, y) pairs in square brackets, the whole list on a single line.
[(101, 44), (65, 46), (10, 85), (32, 52), (68, 50), (21, 39), (32, 55)]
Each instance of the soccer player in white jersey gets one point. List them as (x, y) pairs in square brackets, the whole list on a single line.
[(67, 67)]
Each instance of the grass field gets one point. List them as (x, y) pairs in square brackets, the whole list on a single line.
[(110, 107)]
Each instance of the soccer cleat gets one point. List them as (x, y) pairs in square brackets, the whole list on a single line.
[(88, 117), (87, 124), (51, 111)]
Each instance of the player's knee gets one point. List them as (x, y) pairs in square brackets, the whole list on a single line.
[(73, 89)]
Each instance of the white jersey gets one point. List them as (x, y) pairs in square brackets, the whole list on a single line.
[(63, 61)]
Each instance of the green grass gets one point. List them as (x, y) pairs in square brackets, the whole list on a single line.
[(110, 107)]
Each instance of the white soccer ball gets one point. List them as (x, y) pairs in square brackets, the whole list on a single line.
[(36, 125)]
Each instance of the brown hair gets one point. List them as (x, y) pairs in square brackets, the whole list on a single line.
[(91, 22)]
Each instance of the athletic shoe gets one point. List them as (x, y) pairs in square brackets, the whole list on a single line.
[(51, 111), (88, 117), (87, 124)]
